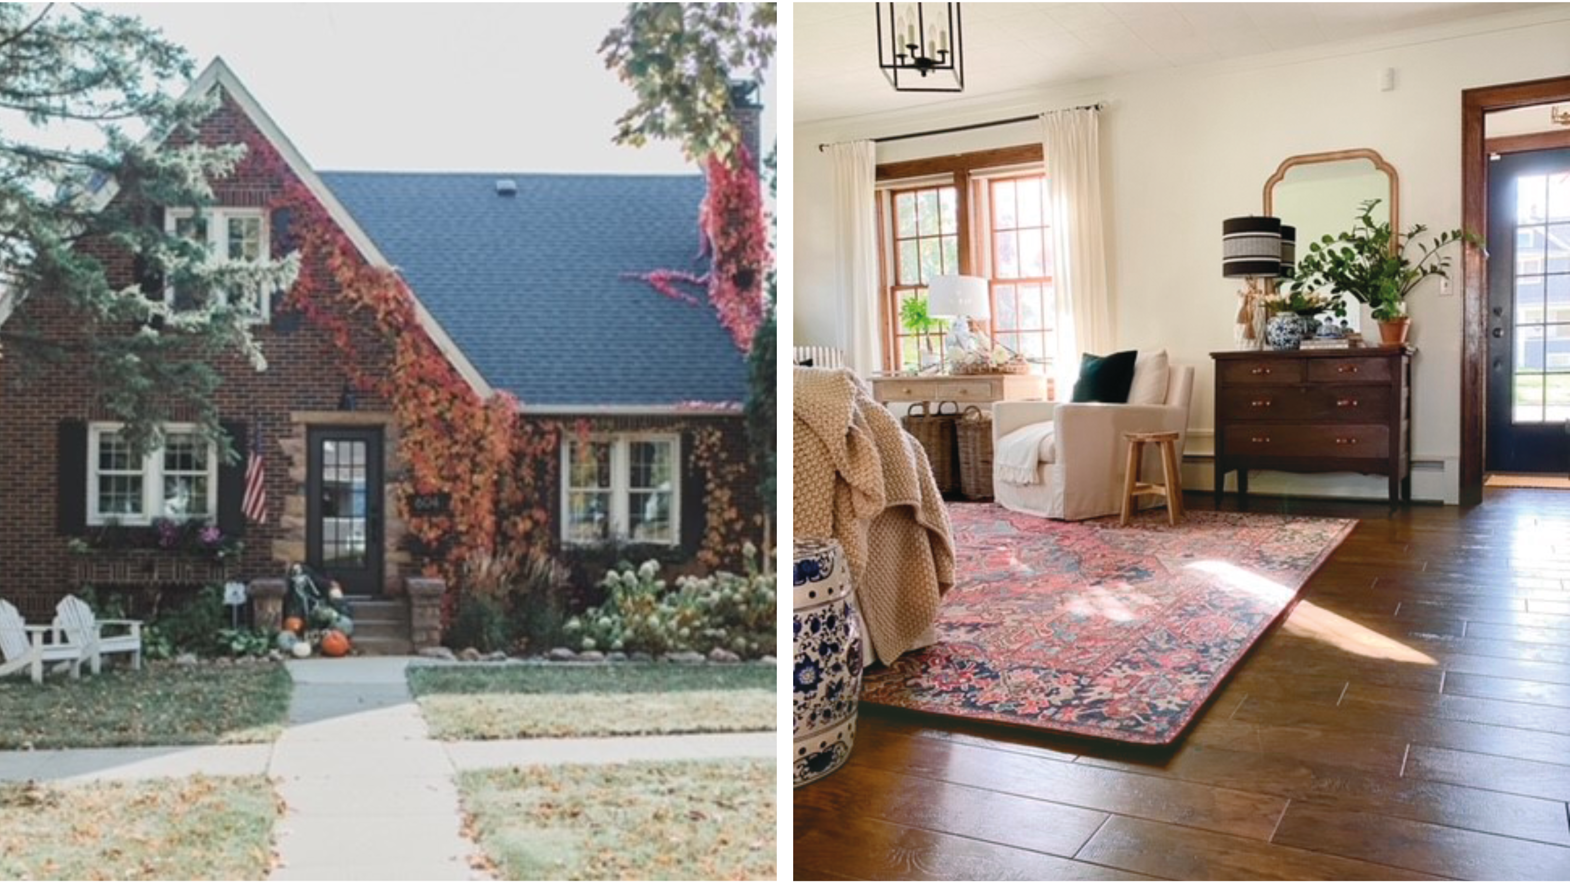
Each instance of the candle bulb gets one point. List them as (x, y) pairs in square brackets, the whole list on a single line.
[(944, 40)]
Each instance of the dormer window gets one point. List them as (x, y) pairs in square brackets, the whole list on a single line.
[(228, 234)]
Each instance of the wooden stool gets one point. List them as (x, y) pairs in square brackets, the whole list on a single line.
[(1132, 486)]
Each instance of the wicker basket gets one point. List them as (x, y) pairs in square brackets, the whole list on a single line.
[(974, 430), (935, 432)]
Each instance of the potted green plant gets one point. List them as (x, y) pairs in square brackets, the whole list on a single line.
[(917, 320), (1371, 264)]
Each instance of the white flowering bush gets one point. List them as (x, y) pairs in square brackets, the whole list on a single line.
[(641, 613)]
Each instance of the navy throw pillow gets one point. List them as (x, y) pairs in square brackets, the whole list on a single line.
[(1105, 378)]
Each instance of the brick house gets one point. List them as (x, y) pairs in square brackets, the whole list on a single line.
[(522, 285)]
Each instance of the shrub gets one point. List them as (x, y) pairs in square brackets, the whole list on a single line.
[(479, 623), (199, 624), (641, 614)]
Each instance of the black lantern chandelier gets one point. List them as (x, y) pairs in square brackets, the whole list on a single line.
[(921, 50)]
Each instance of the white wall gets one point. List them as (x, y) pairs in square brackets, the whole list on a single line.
[(1184, 149)]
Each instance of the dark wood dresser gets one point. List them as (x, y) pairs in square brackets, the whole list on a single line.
[(1320, 410)]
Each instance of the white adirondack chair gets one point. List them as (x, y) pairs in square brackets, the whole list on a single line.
[(23, 646), (75, 620)]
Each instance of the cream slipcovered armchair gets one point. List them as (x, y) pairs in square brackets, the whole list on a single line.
[(1079, 472)]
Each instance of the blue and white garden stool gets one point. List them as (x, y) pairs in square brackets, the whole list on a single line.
[(826, 682)]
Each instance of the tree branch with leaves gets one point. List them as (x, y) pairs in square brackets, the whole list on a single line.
[(71, 73)]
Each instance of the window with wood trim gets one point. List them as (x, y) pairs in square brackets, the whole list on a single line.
[(981, 213), (925, 235), (1019, 251)]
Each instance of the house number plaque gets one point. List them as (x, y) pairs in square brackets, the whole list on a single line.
[(428, 504)]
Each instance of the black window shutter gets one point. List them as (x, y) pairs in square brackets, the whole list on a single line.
[(71, 478), (694, 498), (231, 481), (283, 243)]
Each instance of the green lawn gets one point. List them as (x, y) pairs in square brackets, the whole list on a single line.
[(187, 828), (163, 704), (546, 701), (673, 820)]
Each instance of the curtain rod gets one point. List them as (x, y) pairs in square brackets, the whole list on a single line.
[(1099, 105)]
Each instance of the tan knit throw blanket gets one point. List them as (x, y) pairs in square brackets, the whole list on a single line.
[(862, 480)]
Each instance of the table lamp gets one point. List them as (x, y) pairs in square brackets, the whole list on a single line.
[(1251, 250)]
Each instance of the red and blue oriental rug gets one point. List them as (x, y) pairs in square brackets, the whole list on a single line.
[(1101, 631)]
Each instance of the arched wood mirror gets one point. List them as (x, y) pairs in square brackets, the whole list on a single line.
[(1319, 194)]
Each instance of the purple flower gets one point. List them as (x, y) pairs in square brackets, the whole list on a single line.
[(211, 535), (168, 533)]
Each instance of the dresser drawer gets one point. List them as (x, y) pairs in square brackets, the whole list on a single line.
[(1271, 439), (1349, 370), (1331, 404), (1250, 371)]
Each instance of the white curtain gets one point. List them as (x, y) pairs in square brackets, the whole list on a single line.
[(856, 253), (1084, 312)]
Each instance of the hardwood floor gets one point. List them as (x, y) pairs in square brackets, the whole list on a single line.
[(1409, 720)]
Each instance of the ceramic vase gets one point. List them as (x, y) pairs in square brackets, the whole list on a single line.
[(826, 680), (1284, 331)]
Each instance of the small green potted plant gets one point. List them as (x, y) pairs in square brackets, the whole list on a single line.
[(1371, 264), (917, 320)]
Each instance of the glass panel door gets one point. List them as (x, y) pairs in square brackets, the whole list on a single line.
[(344, 489)]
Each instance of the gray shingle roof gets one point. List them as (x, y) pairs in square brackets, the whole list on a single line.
[(531, 287)]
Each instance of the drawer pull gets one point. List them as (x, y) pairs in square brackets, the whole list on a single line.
[(1346, 402), (1346, 440), (1259, 402), (1260, 439), (1257, 371), (1346, 369)]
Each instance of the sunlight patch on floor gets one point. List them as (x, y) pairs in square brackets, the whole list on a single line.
[(1313, 621)]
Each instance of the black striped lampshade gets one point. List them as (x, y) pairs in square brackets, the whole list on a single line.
[(1251, 247), (1288, 248)]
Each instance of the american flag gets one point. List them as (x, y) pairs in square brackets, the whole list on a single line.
[(255, 504)]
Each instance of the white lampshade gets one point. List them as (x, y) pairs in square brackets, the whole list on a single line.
[(959, 295)]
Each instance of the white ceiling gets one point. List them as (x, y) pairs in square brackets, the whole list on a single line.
[(1010, 46)]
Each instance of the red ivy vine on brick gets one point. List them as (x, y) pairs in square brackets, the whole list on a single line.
[(494, 466), (735, 238)]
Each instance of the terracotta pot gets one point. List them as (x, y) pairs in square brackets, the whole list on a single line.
[(1394, 333)]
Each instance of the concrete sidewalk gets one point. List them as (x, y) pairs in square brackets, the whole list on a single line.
[(369, 794)]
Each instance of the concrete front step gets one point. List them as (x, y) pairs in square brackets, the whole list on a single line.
[(381, 626)]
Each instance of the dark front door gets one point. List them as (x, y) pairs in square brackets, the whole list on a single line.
[(1529, 312), (343, 536)]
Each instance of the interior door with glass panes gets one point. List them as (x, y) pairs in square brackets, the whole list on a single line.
[(1529, 312), (344, 506)]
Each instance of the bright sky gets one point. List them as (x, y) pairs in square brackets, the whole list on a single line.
[(444, 87)]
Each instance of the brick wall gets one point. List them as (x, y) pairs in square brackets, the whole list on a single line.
[(304, 373)]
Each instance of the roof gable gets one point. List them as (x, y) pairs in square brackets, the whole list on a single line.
[(218, 75)]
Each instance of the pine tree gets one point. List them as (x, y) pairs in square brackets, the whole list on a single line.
[(80, 74)]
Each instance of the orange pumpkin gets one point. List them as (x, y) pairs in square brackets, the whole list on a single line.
[(335, 644), (294, 624)]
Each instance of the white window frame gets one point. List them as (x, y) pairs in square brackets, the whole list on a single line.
[(152, 479), (621, 486), (217, 237)]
